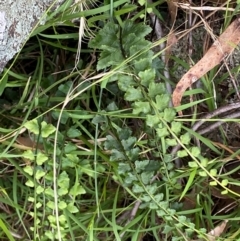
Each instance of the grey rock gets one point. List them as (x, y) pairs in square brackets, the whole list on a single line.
[(17, 20)]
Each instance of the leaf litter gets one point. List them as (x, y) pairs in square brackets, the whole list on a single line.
[(221, 48)]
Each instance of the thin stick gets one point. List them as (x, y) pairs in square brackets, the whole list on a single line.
[(204, 8), (196, 126)]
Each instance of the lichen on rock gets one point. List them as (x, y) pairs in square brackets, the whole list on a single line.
[(17, 19)]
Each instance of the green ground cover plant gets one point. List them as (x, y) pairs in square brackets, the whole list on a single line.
[(91, 147)]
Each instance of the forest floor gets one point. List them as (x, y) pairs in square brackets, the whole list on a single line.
[(120, 121)]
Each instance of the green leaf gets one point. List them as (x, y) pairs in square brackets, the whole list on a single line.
[(204, 162), (167, 158), (47, 129), (167, 229), (130, 178), (73, 132), (162, 132), (124, 133), (133, 154), (107, 36), (41, 158), (151, 189), (162, 101), (224, 182), (125, 82), (39, 189), (49, 191), (193, 164), (63, 180), (49, 235), (129, 143), (28, 155), (29, 183), (159, 197), (169, 114), (213, 183), (28, 170), (133, 94), (62, 191), (143, 107), (145, 198), (77, 189), (51, 218), (70, 147), (64, 88), (70, 160), (147, 77), (112, 143), (224, 192), (202, 174), (171, 142), (64, 116), (51, 205), (152, 166), (62, 205), (146, 177), (182, 219), (164, 204), (143, 63), (141, 165), (152, 120), (182, 153), (189, 231), (195, 151), (123, 168), (62, 219), (39, 174), (98, 119), (139, 52), (213, 172), (38, 205), (170, 166), (117, 155), (156, 89), (185, 139), (140, 29), (72, 209), (32, 126), (160, 213), (176, 127), (109, 58), (153, 206), (149, 10), (141, 2), (137, 188), (112, 107)]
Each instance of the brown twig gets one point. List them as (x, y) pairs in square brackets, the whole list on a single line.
[(219, 123), (208, 116)]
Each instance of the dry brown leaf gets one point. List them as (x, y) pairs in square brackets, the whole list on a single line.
[(228, 40), (28, 143), (217, 231), (172, 8), (171, 40)]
